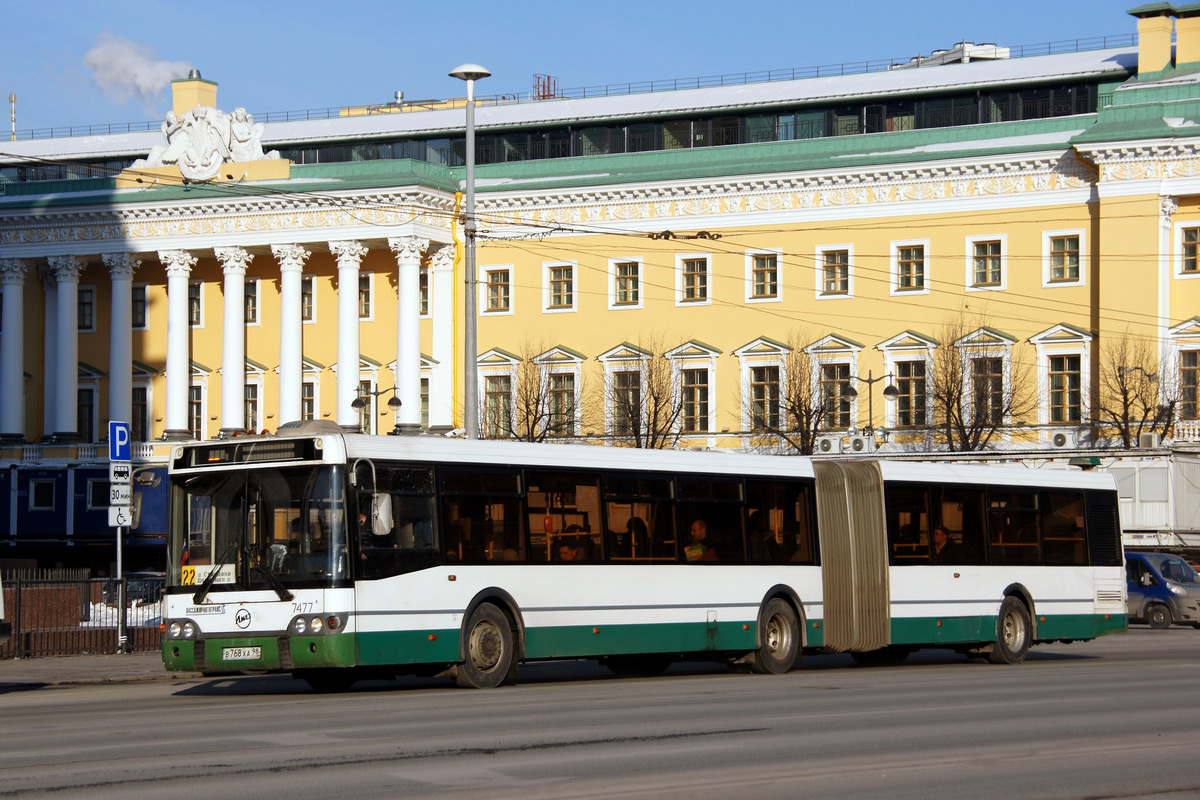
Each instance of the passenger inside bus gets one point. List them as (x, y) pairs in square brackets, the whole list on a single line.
[(698, 550)]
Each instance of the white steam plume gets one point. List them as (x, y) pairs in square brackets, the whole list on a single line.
[(125, 69)]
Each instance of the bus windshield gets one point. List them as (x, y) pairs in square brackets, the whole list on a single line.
[(272, 529)]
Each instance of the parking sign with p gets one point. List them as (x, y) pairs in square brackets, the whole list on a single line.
[(119, 448)]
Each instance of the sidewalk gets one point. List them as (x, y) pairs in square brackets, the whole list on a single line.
[(25, 673)]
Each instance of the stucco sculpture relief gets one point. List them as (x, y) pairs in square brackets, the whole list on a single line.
[(203, 139)]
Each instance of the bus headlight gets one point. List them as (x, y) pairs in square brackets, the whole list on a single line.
[(299, 626), (174, 629), (189, 630), (317, 625)]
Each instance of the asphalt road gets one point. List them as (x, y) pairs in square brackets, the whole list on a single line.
[(1114, 718)]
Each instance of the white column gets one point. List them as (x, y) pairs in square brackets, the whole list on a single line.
[(12, 351), (291, 259), (120, 336), (49, 347), (66, 359), (408, 250), (179, 265), (349, 256), (441, 381), (234, 261)]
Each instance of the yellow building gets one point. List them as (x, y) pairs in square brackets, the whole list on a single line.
[(1006, 243)]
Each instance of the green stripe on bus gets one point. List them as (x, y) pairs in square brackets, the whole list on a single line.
[(408, 647), (593, 640), (937, 630)]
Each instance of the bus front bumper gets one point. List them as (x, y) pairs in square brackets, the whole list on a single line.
[(258, 653)]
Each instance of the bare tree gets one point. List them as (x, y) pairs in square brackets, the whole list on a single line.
[(641, 399), (1135, 396), (802, 413), (525, 413), (977, 391)]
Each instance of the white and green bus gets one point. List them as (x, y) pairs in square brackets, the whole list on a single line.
[(339, 557)]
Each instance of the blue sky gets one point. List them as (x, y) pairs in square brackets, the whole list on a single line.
[(275, 56)]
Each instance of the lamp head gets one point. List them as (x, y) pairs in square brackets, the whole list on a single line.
[(469, 72)]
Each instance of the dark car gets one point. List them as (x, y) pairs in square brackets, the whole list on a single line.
[(1163, 589), (143, 586)]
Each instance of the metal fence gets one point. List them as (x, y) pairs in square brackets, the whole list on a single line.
[(59, 617)]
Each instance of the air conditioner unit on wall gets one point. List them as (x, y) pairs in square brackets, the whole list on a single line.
[(1064, 439), (1148, 440), (862, 444), (829, 444)]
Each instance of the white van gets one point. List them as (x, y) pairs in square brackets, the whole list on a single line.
[(5, 627)]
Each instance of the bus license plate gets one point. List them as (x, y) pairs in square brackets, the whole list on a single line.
[(241, 653)]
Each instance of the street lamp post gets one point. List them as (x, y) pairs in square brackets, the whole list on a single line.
[(889, 391), (359, 403), (470, 73)]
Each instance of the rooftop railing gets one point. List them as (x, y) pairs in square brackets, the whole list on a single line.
[(605, 90)]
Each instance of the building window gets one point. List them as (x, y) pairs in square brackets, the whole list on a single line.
[(140, 424), (425, 402), (498, 290), (764, 277), (764, 398), (366, 414), (137, 310), (423, 291), (835, 406), (988, 263), (1189, 381), (1064, 258), (694, 411), (562, 404), (252, 302), (1191, 238), (41, 495), (85, 414), (196, 411), (86, 304), (195, 309), (497, 399), (835, 272), (364, 296), (987, 390), (562, 287), (910, 268), (627, 285), (308, 302), (1065, 395), (627, 401), (308, 400), (252, 407), (910, 402), (695, 280)]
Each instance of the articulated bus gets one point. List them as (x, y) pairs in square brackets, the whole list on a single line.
[(339, 557)]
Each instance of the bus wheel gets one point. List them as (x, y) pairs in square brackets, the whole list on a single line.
[(1159, 617), (328, 680), (636, 666), (1013, 629), (779, 637), (489, 645), (890, 656)]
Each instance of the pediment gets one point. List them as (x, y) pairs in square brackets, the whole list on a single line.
[(833, 344), (762, 346), (560, 355), (625, 352), (498, 357), (1188, 329), (908, 340), (693, 349), (1061, 333), (986, 337)]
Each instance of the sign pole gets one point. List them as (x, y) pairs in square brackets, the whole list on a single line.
[(122, 638), (120, 493)]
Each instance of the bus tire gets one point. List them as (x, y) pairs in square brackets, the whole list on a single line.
[(488, 644), (328, 680), (779, 639), (1158, 617), (1014, 633)]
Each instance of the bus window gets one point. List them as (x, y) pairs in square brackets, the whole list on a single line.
[(564, 517), (1013, 528), (907, 511), (961, 515), (1062, 528), (640, 519), (711, 531), (480, 524), (779, 522)]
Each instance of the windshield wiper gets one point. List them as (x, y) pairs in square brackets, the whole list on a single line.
[(202, 592), (276, 584)]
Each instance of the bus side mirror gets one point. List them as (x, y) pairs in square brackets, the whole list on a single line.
[(381, 514)]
